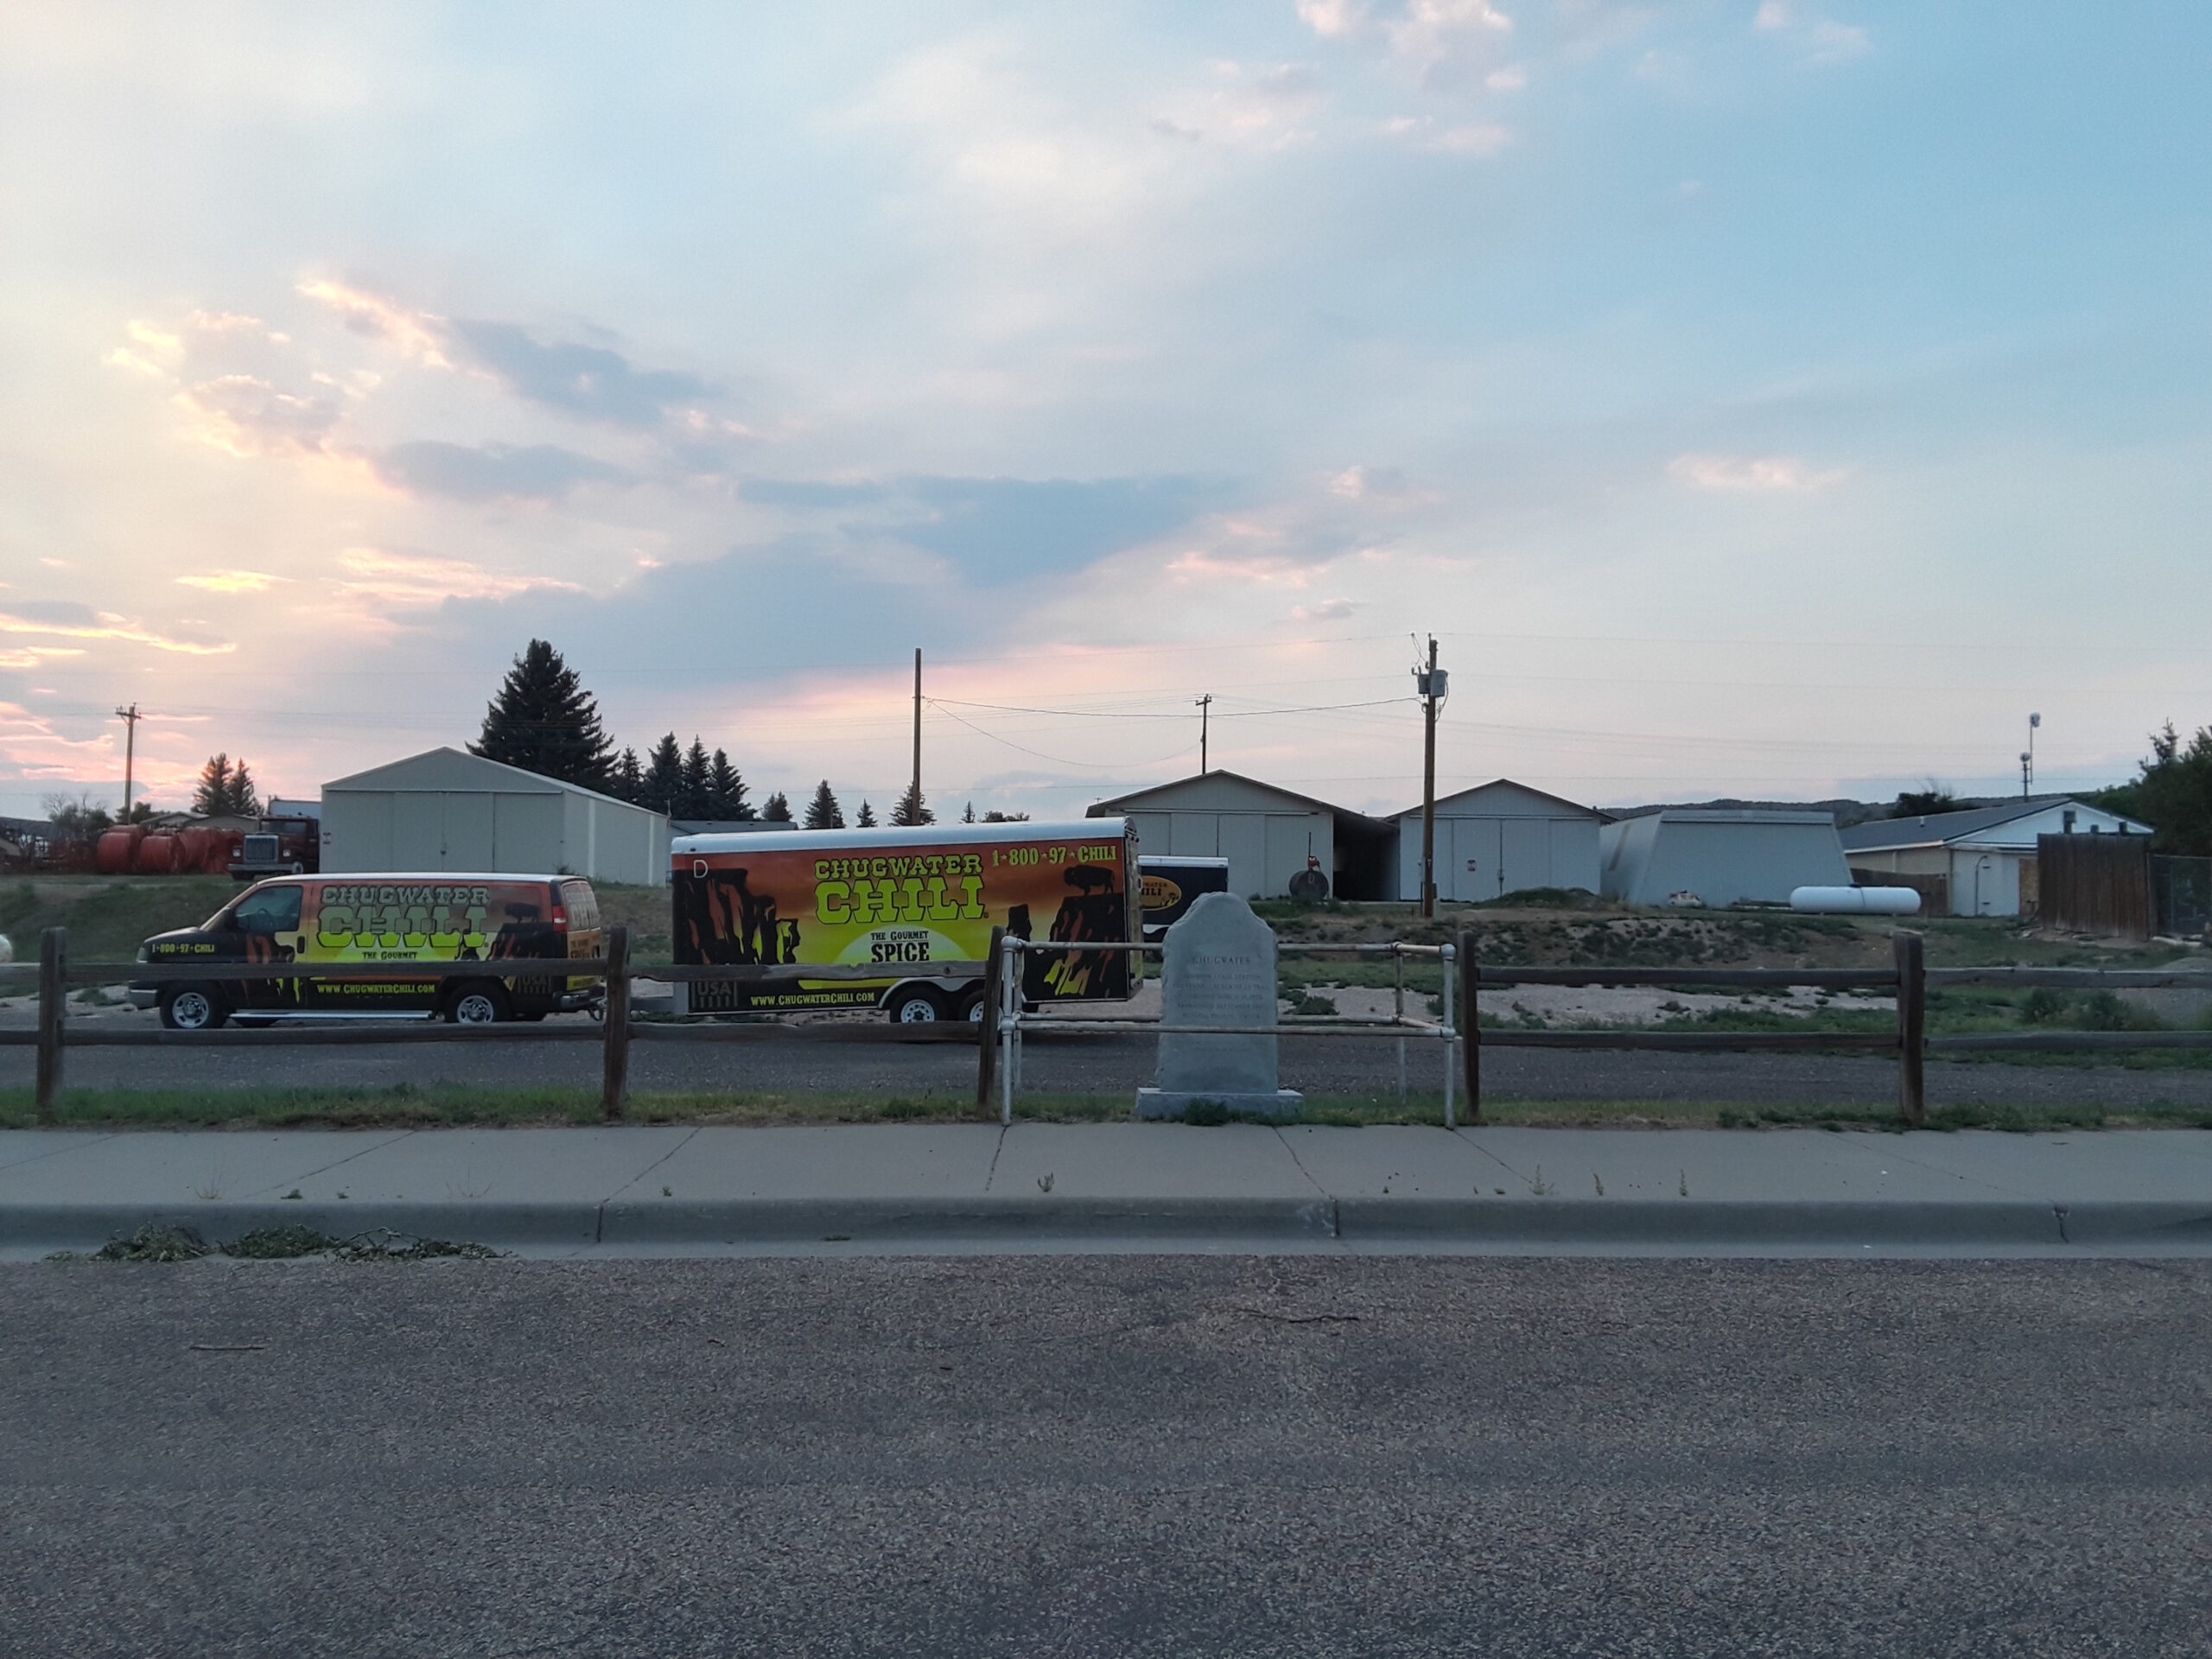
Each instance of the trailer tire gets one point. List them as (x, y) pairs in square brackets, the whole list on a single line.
[(914, 1004)]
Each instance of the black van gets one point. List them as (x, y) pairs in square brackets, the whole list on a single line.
[(439, 917)]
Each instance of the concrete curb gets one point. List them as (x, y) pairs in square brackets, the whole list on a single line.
[(698, 1224)]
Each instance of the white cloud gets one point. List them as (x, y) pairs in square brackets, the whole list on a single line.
[(1745, 473), (1821, 39), (1443, 41), (417, 333), (1329, 610), (232, 581), (1511, 79), (1476, 138), (411, 580)]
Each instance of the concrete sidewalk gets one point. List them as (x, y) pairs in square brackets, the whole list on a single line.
[(677, 1190)]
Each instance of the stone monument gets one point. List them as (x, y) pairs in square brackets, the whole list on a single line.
[(1219, 970)]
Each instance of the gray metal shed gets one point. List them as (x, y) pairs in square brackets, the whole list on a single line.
[(1719, 856), (446, 809)]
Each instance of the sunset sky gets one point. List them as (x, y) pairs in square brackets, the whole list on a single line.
[(1777, 399)]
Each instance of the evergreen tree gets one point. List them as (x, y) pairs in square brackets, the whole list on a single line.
[(776, 808), (912, 809), (628, 782), (245, 799), (663, 788), (211, 797), (544, 721), (694, 800), (2172, 793), (969, 816), (996, 816), (724, 790), (866, 819), (822, 812)]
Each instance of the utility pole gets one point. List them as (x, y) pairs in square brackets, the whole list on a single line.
[(130, 717), (918, 726), (1205, 707), (1431, 686), (2028, 756)]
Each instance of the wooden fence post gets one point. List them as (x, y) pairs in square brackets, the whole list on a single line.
[(1912, 1025), (1471, 1031), (53, 1005), (987, 1058), (614, 1084)]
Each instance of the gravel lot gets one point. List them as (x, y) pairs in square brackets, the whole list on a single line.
[(1107, 1455)]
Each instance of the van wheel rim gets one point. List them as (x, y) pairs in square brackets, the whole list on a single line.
[(475, 1009), (190, 1010)]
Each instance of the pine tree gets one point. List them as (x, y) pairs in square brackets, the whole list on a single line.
[(628, 782), (969, 816), (544, 721), (776, 808), (725, 790), (822, 812), (912, 809), (694, 802), (245, 799), (663, 789), (211, 798), (996, 816), (866, 819)]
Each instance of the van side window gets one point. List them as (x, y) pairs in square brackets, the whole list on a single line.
[(272, 910)]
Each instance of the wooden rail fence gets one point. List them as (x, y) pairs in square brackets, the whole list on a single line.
[(1907, 978)]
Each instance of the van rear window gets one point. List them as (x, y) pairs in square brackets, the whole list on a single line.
[(581, 904)]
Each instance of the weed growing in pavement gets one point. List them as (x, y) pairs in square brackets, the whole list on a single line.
[(280, 1244), (155, 1241), (1539, 1187), (1310, 1004)]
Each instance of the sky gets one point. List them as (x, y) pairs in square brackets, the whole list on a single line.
[(1752, 398)]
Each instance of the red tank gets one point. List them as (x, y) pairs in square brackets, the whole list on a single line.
[(158, 855), (118, 849)]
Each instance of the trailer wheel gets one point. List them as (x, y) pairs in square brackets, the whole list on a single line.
[(915, 1005), (971, 1006)]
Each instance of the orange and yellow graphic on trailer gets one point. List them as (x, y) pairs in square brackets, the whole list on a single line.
[(907, 900)]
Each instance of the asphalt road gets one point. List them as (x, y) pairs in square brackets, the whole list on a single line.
[(1107, 1455), (1115, 1063)]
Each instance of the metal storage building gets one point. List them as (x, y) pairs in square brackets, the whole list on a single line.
[(1265, 832), (1501, 837), (446, 809), (1719, 856), (1983, 857)]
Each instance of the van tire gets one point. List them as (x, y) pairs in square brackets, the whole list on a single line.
[(483, 1003), (193, 1007), (914, 1004)]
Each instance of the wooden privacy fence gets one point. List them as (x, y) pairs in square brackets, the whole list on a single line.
[(2095, 884), (1005, 1020)]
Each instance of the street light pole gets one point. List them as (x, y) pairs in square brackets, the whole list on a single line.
[(1431, 686)]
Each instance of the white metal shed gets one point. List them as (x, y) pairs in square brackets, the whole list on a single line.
[(1265, 832), (1501, 837), (448, 809)]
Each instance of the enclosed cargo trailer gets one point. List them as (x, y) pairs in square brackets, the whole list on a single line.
[(910, 899)]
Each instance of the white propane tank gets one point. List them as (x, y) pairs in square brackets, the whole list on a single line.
[(1856, 901)]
